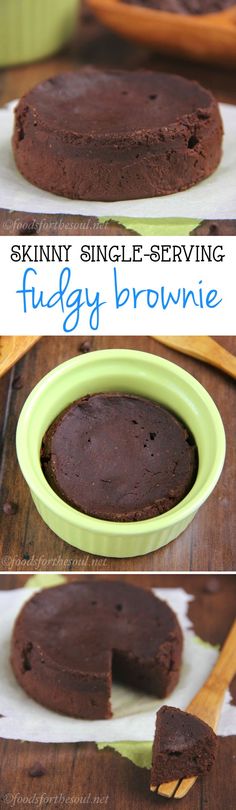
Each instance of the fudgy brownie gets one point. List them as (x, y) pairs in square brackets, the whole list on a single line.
[(185, 6), (119, 457), (183, 746), (117, 135), (70, 641)]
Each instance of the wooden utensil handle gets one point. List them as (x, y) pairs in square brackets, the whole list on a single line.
[(208, 701), (223, 359), (203, 348), (12, 348), (225, 667)]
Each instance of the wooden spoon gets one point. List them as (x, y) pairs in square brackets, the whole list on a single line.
[(204, 348), (12, 349), (207, 705)]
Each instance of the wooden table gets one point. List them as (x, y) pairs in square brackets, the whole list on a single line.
[(94, 44), (104, 778), (27, 544)]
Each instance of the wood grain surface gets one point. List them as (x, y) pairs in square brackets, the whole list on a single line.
[(96, 45), (25, 541), (79, 775)]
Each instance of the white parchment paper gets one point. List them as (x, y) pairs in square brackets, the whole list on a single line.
[(213, 198), (134, 712)]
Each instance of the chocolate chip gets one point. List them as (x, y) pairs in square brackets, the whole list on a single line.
[(212, 585), (29, 229), (193, 141), (10, 508), (213, 229), (17, 383), (85, 347), (37, 770)]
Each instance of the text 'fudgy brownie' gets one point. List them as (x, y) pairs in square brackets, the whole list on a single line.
[(117, 135), (119, 457), (183, 746), (71, 640)]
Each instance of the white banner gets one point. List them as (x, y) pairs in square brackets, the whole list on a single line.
[(118, 285)]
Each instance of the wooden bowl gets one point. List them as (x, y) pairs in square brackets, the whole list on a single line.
[(204, 38)]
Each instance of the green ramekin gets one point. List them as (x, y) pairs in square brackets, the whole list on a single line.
[(137, 373), (34, 29)]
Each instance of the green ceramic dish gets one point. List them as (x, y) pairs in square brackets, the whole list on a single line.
[(34, 29), (133, 372)]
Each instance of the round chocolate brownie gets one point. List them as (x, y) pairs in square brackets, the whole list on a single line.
[(119, 457), (117, 135), (185, 6), (70, 641)]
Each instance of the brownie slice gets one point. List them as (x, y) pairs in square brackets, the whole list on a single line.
[(69, 642), (119, 457), (183, 746), (117, 135)]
